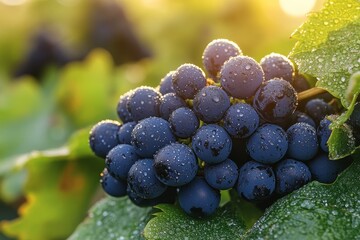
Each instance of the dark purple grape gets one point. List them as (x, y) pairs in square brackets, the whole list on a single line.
[(183, 122), (169, 196), (166, 85), (241, 120), (241, 76), (122, 110), (256, 181), (169, 103), (120, 159), (222, 175), (325, 170), (317, 109), (175, 165), (198, 199), (216, 53), (210, 104), (150, 135), (112, 186), (302, 142), (103, 137), (212, 144), (323, 133), (188, 80), (268, 144), (299, 116), (300, 83), (291, 175), (277, 66), (144, 102), (124, 133), (143, 181), (275, 101)]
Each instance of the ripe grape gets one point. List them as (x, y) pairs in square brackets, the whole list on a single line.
[(212, 144), (183, 122), (170, 102), (120, 159), (144, 102), (122, 110), (166, 85), (198, 199), (324, 133), (216, 53), (222, 175), (268, 144), (291, 175), (142, 180), (303, 142), (187, 80), (276, 100), (210, 104), (175, 165), (325, 170), (112, 186), (241, 76), (317, 109), (256, 181), (241, 120), (277, 66), (124, 133), (103, 137), (150, 135)]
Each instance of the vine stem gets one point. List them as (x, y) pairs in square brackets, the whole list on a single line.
[(310, 93)]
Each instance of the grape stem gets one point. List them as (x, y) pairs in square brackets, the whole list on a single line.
[(304, 95)]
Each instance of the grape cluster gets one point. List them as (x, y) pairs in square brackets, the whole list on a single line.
[(192, 136)]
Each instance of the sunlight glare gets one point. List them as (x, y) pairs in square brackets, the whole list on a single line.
[(12, 2), (297, 8)]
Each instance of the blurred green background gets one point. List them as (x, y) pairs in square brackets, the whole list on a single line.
[(64, 64)]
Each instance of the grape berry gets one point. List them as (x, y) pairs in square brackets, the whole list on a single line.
[(241, 129)]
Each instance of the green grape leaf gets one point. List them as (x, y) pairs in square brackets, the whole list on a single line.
[(328, 46), (172, 223), (315, 211), (113, 218), (59, 186)]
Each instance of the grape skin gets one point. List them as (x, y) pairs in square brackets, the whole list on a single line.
[(241, 120), (103, 137), (112, 186), (222, 175), (212, 144), (175, 165), (169, 103), (150, 135), (256, 181), (241, 76), (144, 102), (216, 53), (277, 66), (120, 159), (303, 142), (276, 100), (291, 175), (183, 122), (142, 180), (210, 104), (198, 199), (188, 80), (268, 144)]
